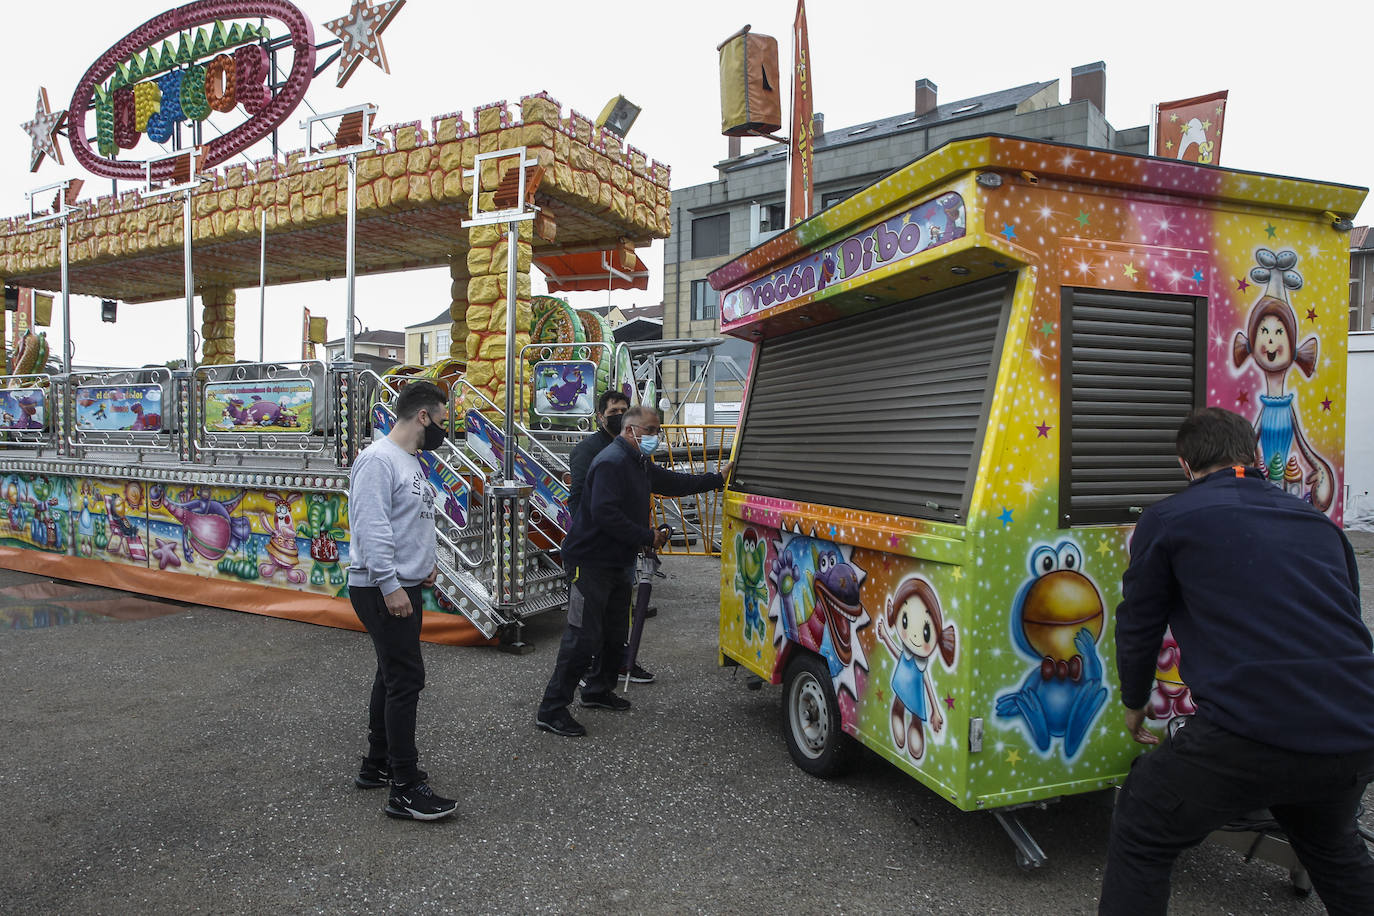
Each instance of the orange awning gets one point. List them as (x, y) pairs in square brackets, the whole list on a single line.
[(593, 270)]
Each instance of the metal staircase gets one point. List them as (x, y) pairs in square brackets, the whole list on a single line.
[(498, 560)]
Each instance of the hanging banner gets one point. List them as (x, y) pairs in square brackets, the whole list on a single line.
[(802, 179), (307, 345), (1190, 129)]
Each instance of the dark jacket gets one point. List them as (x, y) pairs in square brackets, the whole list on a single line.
[(612, 520), (579, 460), (1262, 592)]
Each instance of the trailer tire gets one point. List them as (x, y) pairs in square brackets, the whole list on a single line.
[(811, 719)]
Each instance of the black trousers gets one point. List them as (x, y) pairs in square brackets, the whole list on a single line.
[(396, 687), (1205, 777), (598, 623)]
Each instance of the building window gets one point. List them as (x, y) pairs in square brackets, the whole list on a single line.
[(1135, 369), (424, 348), (442, 339), (772, 217), (830, 198), (711, 236), (705, 301)]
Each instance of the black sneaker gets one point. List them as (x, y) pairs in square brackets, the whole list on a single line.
[(561, 723), (418, 802), (375, 775), (605, 701), (638, 675)]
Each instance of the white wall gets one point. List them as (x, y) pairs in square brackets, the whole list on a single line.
[(1359, 434)]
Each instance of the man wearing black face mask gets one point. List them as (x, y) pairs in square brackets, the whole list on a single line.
[(391, 557), (609, 411)]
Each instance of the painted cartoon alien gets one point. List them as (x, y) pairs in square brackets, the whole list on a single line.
[(750, 554), (1270, 340), (1058, 617), (819, 605), (914, 617)]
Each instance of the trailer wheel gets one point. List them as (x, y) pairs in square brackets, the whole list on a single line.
[(811, 719)]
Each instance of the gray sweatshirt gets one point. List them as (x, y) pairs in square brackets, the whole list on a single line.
[(391, 519)]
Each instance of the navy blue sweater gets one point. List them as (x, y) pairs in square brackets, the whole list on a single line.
[(1262, 592), (612, 520)]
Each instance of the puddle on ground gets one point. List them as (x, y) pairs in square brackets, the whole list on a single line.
[(36, 605), (38, 616)]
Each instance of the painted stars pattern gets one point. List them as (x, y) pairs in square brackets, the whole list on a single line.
[(360, 33)]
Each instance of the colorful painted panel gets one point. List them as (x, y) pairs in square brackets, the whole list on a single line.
[(111, 520), (550, 496), (921, 228), (260, 405), (564, 388), (120, 408), (35, 512), (23, 408)]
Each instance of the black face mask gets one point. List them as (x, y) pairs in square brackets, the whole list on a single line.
[(614, 424), (434, 437)]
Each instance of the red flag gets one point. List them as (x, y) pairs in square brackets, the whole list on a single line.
[(802, 179), (1190, 129)]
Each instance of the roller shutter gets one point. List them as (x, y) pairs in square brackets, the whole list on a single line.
[(1136, 367), (882, 411)]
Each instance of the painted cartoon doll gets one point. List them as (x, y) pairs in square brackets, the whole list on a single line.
[(1270, 340), (914, 617)]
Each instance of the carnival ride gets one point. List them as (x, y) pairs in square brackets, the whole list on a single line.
[(225, 482)]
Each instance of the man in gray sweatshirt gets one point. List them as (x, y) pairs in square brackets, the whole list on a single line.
[(391, 557)]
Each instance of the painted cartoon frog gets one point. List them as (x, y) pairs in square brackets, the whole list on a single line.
[(749, 581)]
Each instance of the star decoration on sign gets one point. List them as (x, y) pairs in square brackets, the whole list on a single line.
[(1129, 270), (1005, 517), (1009, 231), (1311, 314), (1270, 229), (1197, 275), (1043, 430), (1326, 404), (1103, 548), (957, 573), (1081, 219), (949, 700), (1047, 328), (1243, 398), (360, 33), (1013, 757), (1241, 285), (42, 130)]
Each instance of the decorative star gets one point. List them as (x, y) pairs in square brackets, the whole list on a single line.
[(1206, 125), (1082, 218), (1326, 403), (1013, 757), (957, 573), (949, 701), (361, 35), (166, 553), (1311, 314), (1197, 275), (1005, 517), (1168, 144), (1173, 117), (42, 131), (1009, 231), (1104, 548), (1243, 398), (1129, 270), (1047, 328), (895, 540), (1241, 285), (1270, 229), (880, 693), (1043, 430)]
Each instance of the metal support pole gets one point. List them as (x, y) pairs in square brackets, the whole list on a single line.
[(352, 241), (508, 456), (190, 285), (66, 307), (262, 290)]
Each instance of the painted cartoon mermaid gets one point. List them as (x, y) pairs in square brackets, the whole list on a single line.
[(1270, 339), (914, 613)]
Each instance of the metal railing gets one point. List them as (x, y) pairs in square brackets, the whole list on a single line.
[(27, 406), (126, 409), (698, 520), (276, 408)]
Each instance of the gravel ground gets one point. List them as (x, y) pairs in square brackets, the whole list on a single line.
[(201, 763)]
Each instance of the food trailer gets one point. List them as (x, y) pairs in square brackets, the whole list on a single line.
[(965, 390)]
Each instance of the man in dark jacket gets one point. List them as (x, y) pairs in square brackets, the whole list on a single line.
[(610, 411), (610, 528), (1262, 593)]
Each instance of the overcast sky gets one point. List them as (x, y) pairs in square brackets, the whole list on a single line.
[(1300, 99)]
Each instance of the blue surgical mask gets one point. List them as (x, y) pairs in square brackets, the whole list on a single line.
[(648, 444)]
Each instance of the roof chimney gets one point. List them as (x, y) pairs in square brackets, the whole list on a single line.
[(817, 127), (1089, 83), (925, 97)]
